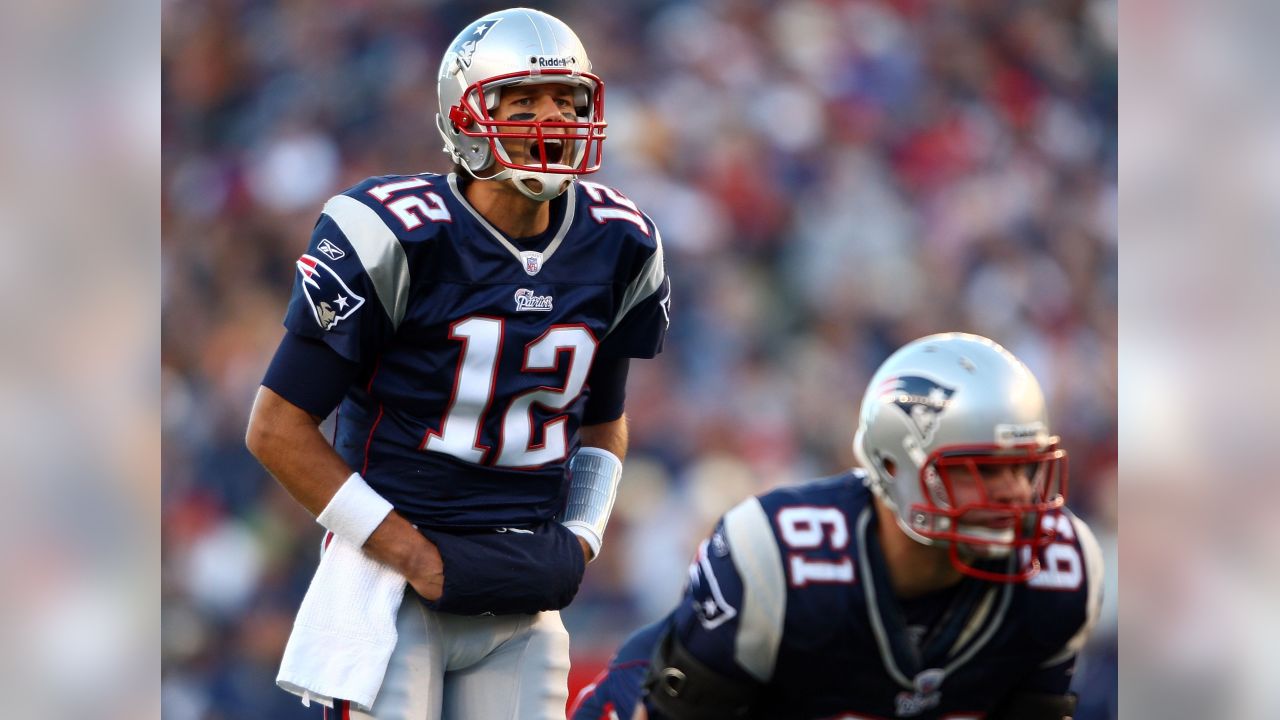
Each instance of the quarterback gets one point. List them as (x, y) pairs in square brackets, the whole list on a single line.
[(473, 331)]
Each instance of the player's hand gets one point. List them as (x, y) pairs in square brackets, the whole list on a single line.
[(426, 574), (399, 544)]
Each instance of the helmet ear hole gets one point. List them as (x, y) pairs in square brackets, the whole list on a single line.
[(889, 467)]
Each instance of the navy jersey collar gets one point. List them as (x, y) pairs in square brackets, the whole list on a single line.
[(532, 261), (972, 619)]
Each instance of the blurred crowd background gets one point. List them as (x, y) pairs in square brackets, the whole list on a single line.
[(832, 178)]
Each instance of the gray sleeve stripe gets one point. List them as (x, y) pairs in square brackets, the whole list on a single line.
[(764, 596), (379, 250), (646, 283), (1093, 573)]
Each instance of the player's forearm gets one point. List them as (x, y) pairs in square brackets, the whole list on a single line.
[(595, 481), (611, 436), (288, 443)]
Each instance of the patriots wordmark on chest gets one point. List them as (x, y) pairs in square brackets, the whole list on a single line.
[(528, 301), (926, 694)]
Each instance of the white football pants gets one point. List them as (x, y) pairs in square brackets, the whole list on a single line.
[(460, 667)]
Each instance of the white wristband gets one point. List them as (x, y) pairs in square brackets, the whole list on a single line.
[(355, 511), (592, 490)]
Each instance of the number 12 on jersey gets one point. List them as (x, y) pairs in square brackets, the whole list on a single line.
[(473, 390)]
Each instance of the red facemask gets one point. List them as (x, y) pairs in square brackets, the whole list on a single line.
[(969, 512), (472, 117)]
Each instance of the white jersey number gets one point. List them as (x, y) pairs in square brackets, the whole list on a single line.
[(806, 527), (1061, 567), (621, 207), (412, 210), (473, 390)]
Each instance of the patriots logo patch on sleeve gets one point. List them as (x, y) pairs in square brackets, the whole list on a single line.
[(330, 298), (709, 603)]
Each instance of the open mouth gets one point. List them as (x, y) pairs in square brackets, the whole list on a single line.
[(547, 152)]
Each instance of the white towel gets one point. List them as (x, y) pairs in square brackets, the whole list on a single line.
[(345, 630)]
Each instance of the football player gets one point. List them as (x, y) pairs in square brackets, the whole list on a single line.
[(943, 579), (473, 331)]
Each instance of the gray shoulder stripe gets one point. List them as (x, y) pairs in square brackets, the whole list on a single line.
[(379, 250), (646, 282), (1093, 573), (764, 597)]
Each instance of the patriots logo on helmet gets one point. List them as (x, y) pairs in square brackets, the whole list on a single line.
[(471, 37), (921, 399), (331, 300)]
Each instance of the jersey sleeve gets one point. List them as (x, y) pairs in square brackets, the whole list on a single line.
[(617, 690), (640, 325), (731, 617), (351, 286)]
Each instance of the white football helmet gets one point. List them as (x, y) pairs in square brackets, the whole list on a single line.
[(939, 415), (519, 47)]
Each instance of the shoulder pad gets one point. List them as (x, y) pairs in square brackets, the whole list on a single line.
[(608, 205), (758, 560), (412, 207), (379, 251), (1089, 572)]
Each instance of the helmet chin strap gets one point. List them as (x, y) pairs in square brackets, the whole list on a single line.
[(552, 184)]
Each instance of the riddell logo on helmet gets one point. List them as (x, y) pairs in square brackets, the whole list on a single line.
[(553, 61), (1014, 434)]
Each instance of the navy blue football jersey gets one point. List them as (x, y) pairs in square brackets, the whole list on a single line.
[(475, 347), (791, 593)]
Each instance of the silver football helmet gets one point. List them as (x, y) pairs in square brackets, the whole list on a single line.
[(954, 436), (519, 47)]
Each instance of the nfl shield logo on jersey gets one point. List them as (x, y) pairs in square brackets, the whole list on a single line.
[(331, 300), (532, 261)]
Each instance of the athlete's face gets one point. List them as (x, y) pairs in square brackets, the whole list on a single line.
[(547, 102), (1003, 484), (991, 484)]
